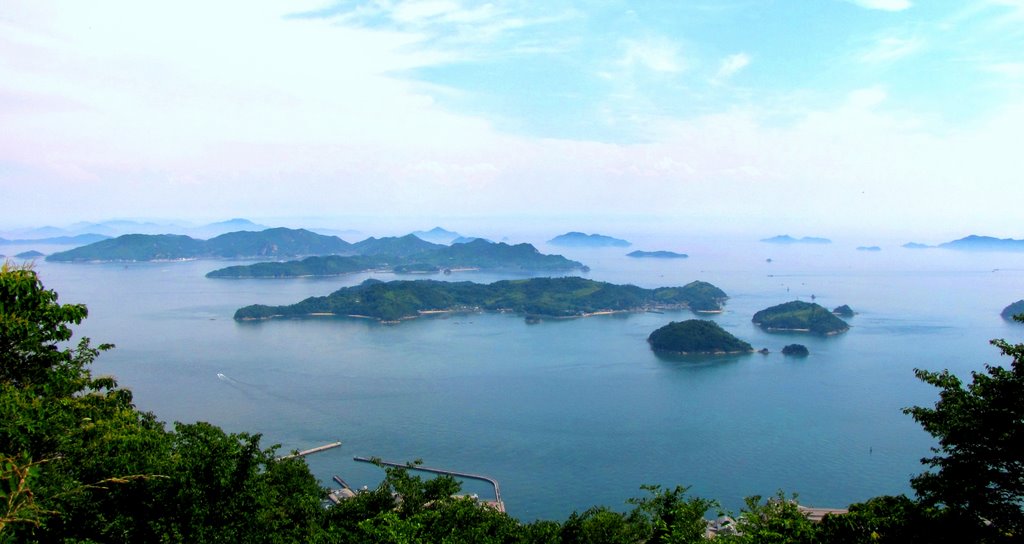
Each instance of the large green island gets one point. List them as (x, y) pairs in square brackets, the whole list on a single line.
[(393, 254), (535, 297), (696, 337), (799, 316)]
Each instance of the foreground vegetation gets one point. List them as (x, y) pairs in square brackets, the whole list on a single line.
[(79, 463)]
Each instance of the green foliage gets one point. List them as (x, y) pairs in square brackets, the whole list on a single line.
[(599, 525), (799, 316), (32, 325), (556, 297), (978, 475), (673, 518), (696, 336), (776, 520), (887, 520)]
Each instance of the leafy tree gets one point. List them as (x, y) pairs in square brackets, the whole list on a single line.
[(887, 520), (978, 475), (600, 525), (777, 520), (674, 518)]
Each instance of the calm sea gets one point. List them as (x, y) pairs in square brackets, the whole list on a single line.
[(571, 414)]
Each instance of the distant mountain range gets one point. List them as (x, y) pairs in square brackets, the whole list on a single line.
[(79, 240), (787, 239), (579, 239), (110, 229), (974, 243)]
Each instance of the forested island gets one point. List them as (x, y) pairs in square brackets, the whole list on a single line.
[(795, 350), (799, 316), (432, 258), (843, 311), (656, 255), (536, 297), (579, 239), (1016, 308), (696, 337), (276, 242)]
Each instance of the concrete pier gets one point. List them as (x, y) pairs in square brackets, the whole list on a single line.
[(497, 503)]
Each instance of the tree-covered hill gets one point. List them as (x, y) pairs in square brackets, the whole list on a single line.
[(135, 247), (799, 316), (552, 297), (479, 254), (400, 246), (274, 243), (1013, 309), (696, 337)]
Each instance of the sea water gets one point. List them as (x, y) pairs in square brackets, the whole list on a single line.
[(569, 414)]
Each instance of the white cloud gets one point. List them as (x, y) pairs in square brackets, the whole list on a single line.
[(891, 48), (655, 54), (1009, 70), (866, 99), (884, 5), (732, 64)]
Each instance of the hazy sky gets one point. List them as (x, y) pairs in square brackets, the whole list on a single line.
[(803, 116)]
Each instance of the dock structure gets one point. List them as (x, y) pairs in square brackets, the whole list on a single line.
[(311, 451), (817, 514), (497, 504)]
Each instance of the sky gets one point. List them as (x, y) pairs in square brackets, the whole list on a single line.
[(814, 117)]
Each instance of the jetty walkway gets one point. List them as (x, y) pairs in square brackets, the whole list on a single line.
[(497, 503)]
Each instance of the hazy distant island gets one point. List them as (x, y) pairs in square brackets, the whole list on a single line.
[(787, 239), (79, 240), (984, 243), (799, 316), (410, 258), (657, 255), (696, 337), (843, 311), (1013, 309), (276, 242), (536, 297), (31, 254), (795, 350), (579, 239), (437, 235), (974, 243), (868, 248)]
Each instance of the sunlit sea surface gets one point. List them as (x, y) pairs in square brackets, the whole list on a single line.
[(575, 413)]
